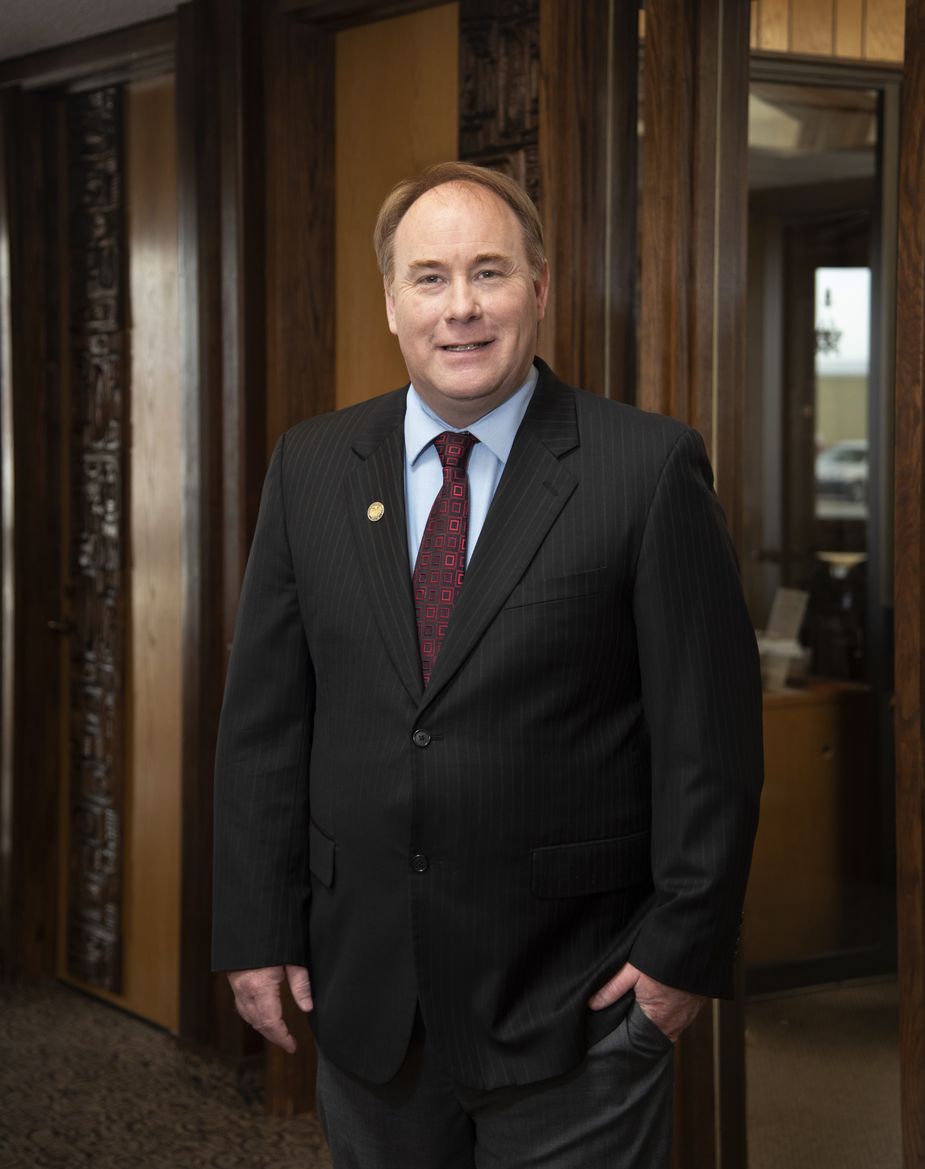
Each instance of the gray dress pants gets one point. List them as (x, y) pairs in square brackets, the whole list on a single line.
[(613, 1111)]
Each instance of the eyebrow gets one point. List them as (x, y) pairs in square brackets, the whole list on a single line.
[(481, 258)]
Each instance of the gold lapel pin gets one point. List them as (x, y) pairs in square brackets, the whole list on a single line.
[(375, 512)]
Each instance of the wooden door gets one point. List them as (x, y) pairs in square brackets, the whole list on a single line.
[(91, 431)]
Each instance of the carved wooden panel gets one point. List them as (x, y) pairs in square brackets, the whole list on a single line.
[(97, 537), (499, 49)]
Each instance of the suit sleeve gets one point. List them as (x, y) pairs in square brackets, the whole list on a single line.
[(261, 880), (701, 687)]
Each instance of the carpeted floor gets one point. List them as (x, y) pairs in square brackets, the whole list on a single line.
[(83, 1085), (823, 1079)]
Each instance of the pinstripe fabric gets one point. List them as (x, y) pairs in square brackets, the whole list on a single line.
[(584, 788)]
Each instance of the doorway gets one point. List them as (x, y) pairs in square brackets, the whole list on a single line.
[(92, 435), (822, 1035)]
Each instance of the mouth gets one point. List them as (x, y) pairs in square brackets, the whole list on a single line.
[(469, 347)]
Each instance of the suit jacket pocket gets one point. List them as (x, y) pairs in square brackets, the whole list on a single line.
[(320, 854), (591, 866), (557, 588)]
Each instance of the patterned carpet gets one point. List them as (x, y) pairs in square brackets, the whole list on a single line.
[(82, 1084)]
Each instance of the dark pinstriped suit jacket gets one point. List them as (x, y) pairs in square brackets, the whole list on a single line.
[(578, 785)]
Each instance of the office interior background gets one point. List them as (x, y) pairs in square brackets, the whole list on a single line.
[(734, 200)]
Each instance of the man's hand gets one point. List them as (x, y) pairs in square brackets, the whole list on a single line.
[(258, 1002), (669, 1009)]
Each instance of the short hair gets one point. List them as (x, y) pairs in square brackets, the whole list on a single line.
[(408, 191)]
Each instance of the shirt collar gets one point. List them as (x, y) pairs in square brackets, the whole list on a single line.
[(495, 430)]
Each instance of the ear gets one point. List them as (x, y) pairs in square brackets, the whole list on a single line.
[(389, 304), (541, 288)]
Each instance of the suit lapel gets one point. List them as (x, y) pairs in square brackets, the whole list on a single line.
[(533, 490), (382, 545)]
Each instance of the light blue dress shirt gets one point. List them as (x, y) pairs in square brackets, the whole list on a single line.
[(424, 474)]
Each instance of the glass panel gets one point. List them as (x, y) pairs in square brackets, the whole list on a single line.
[(821, 901), (842, 367)]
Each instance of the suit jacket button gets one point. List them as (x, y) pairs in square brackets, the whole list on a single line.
[(421, 738), (419, 863)]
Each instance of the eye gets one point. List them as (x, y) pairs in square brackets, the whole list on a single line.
[(430, 278), (488, 274)]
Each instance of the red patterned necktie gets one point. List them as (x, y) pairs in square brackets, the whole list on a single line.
[(441, 563)]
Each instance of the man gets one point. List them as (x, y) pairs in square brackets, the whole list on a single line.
[(490, 753)]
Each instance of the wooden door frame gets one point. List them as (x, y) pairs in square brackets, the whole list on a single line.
[(909, 504), (32, 429), (31, 671)]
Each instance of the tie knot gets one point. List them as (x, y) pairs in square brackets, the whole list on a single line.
[(454, 448)]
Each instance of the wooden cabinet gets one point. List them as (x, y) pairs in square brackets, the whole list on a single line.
[(818, 807)]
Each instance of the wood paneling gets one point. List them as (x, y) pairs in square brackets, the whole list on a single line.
[(588, 152), (299, 128), (155, 687), (773, 23), (200, 368), (869, 30), (692, 365), (883, 31), (300, 217), (694, 225), (909, 600), (812, 27), (220, 448), (415, 60), (667, 211), (849, 29)]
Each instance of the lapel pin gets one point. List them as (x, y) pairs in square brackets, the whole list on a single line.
[(375, 512)]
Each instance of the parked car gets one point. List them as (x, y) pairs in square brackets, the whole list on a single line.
[(841, 470)]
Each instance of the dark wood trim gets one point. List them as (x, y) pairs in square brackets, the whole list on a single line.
[(694, 225), (800, 68), (666, 212), (7, 579), (333, 15), (721, 240), (242, 187), (255, 125), (874, 961), (300, 87), (213, 282), (909, 567), (693, 366), (299, 63), (693, 1128), (113, 53), (200, 388), (32, 439), (588, 151)]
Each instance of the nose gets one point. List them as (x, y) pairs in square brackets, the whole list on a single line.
[(462, 302)]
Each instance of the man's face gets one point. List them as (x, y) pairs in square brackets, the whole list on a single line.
[(462, 301)]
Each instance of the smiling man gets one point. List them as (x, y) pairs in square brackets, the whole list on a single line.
[(490, 755)]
